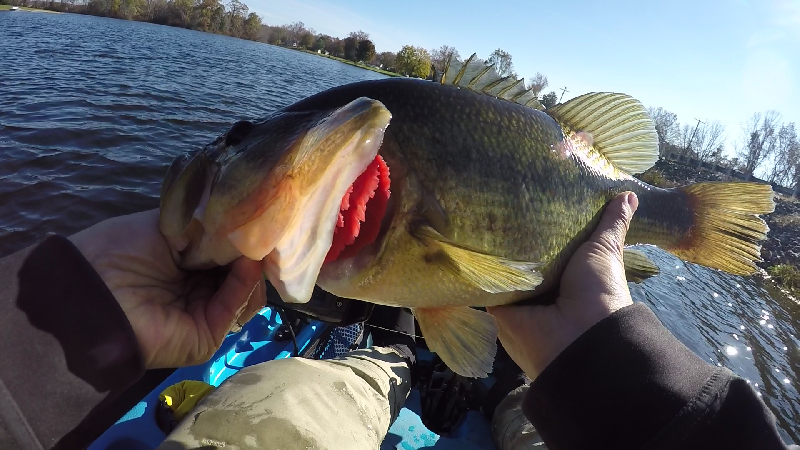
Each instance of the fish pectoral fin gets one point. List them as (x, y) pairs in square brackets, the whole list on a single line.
[(638, 267), (493, 274), (465, 338), (619, 125)]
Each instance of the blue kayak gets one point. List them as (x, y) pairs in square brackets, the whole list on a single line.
[(263, 339)]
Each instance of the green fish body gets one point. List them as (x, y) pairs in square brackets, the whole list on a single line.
[(490, 195)]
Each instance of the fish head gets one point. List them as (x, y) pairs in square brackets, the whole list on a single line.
[(271, 191)]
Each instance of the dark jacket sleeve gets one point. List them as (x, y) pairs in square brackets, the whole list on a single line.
[(628, 383), (67, 350)]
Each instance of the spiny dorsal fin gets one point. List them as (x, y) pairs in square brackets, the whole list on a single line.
[(619, 125), (475, 75)]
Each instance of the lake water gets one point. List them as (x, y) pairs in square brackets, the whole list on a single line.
[(93, 110)]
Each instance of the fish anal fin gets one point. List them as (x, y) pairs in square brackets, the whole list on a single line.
[(493, 274), (465, 338), (638, 267), (620, 128)]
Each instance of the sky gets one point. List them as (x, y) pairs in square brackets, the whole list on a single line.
[(711, 60)]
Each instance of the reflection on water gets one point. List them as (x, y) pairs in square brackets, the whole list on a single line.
[(93, 110), (739, 323)]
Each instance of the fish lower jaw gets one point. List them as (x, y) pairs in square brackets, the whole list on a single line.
[(294, 264)]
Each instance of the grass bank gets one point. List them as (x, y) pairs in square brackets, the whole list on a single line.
[(25, 8), (347, 61)]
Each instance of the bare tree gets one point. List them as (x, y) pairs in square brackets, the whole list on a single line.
[(708, 140), (667, 127), (787, 156), (502, 61), (759, 140), (537, 84), (359, 36), (440, 56)]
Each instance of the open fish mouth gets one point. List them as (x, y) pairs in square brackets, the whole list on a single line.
[(296, 231)]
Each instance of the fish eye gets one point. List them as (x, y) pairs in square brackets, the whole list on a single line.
[(238, 132)]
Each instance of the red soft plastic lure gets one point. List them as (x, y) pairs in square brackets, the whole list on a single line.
[(362, 209)]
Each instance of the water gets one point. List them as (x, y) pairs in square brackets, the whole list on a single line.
[(93, 110)]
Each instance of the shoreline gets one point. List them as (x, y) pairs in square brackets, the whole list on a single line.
[(341, 60), (25, 8), (780, 252)]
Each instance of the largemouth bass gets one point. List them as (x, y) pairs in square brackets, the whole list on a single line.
[(442, 196)]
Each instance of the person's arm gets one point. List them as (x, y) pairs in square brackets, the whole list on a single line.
[(65, 343), (91, 323), (628, 383), (607, 374)]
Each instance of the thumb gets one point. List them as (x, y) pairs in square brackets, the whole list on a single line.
[(613, 226)]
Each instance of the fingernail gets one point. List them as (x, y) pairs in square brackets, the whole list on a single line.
[(633, 201)]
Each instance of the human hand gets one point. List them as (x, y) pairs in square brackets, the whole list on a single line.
[(593, 286), (180, 318)]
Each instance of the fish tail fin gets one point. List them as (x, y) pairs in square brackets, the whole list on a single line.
[(715, 225)]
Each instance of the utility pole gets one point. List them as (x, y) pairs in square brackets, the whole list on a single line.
[(689, 145), (563, 90)]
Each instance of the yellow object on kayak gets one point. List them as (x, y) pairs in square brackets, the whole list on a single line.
[(182, 397)]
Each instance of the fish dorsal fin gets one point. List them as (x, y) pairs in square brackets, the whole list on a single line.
[(620, 127), (475, 75)]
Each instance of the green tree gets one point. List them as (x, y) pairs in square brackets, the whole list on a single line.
[(251, 26), (319, 43), (550, 99), (502, 62), (350, 48), (413, 61), (366, 51)]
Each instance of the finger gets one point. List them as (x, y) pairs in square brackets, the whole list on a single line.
[(257, 301), (616, 219), (232, 298)]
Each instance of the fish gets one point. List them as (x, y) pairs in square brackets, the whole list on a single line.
[(444, 197)]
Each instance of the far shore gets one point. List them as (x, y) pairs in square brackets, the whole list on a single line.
[(346, 61), (25, 8)]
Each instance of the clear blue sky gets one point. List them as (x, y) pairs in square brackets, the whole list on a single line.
[(711, 60)]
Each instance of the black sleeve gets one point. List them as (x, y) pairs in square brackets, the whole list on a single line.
[(628, 383), (67, 350)]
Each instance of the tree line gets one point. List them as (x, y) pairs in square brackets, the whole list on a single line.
[(764, 142)]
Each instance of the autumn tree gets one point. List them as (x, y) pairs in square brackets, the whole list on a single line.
[(306, 40), (759, 140), (413, 61), (502, 63), (251, 26), (441, 55), (387, 59), (549, 100)]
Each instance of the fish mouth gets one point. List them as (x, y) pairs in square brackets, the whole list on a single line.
[(295, 232)]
